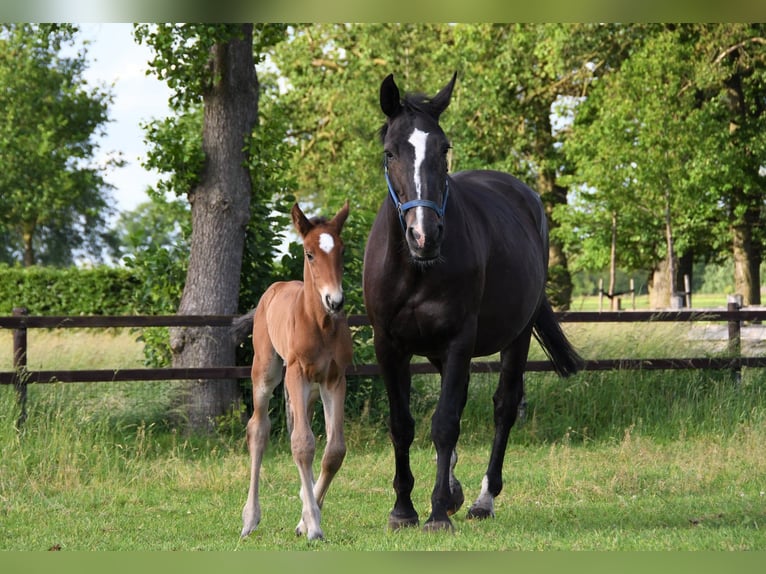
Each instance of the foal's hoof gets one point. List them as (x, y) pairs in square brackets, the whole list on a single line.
[(438, 526), (479, 513), (397, 522)]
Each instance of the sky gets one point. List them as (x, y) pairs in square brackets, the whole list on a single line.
[(115, 58)]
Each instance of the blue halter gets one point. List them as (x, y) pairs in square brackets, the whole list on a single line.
[(403, 208)]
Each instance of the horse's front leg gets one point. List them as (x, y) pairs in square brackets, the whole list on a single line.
[(395, 369), (333, 396), (302, 445), (447, 495)]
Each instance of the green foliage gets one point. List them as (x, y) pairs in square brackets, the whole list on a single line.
[(53, 196), (667, 143), (182, 51), (175, 149), (71, 291)]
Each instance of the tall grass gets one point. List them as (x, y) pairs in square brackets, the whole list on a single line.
[(602, 460)]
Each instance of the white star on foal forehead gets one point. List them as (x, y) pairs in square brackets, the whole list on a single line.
[(326, 242)]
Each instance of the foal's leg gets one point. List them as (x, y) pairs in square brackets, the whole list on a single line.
[(508, 396), (302, 444), (266, 374), (333, 396)]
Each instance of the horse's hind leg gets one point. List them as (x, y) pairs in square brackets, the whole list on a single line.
[(266, 374), (303, 446), (507, 398)]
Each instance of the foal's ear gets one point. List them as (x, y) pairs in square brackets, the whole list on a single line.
[(390, 102), (441, 100), (340, 217), (300, 221)]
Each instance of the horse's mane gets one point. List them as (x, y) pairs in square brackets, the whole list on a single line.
[(412, 103)]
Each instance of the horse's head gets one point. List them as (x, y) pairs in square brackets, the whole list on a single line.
[(416, 149), (323, 255)]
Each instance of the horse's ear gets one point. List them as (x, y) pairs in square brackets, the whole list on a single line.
[(300, 221), (340, 217), (441, 100), (390, 101)]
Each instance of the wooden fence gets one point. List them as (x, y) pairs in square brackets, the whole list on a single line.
[(20, 322)]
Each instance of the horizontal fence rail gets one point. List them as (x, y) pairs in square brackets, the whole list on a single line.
[(19, 323)]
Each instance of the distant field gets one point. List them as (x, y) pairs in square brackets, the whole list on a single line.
[(591, 302), (75, 349)]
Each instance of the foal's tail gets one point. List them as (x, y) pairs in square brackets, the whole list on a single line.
[(566, 361), (241, 327)]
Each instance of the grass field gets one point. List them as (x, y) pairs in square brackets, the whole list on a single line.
[(603, 461)]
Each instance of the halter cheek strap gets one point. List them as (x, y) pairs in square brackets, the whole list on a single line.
[(403, 208)]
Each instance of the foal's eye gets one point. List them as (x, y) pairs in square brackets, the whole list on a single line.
[(309, 255)]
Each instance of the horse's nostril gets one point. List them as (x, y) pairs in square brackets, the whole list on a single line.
[(334, 304)]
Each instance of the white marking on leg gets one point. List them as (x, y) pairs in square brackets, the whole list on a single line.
[(326, 242), (485, 500)]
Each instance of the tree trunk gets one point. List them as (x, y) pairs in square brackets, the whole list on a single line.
[(559, 279), (747, 262), (659, 286), (28, 234), (671, 249), (220, 209), (613, 264)]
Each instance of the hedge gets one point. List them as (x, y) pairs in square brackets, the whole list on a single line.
[(69, 291)]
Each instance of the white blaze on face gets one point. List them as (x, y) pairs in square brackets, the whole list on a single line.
[(418, 140), (332, 296), (326, 242)]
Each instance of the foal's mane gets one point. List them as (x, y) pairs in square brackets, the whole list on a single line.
[(412, 104)]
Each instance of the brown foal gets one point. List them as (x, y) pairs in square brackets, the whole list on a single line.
[(301, 325)]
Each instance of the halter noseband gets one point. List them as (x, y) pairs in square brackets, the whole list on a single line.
[(403, 208)]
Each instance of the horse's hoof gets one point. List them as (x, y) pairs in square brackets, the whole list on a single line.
[(479, 513), (438, 526), (246, 532), (457, 499), (398, 522)]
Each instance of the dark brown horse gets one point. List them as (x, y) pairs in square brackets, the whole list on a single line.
[(455, 267), (299, 328)]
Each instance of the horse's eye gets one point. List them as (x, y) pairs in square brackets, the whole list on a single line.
[(309, 256), (389, 154)]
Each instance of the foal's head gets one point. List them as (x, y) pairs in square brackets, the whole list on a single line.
[(416, 149), (323, 255)]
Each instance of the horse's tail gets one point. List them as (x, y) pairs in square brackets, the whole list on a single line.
[(566, 361), (241, 327)]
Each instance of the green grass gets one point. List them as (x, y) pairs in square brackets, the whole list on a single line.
[(603, 461)]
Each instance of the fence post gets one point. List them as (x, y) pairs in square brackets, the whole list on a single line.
[(633, 293), (20, 365), (733, 304), (688, 291)]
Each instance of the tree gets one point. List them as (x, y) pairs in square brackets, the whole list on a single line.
[(638, 126), (731, 87), (53, 196), (212, 65), (658, 146)]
